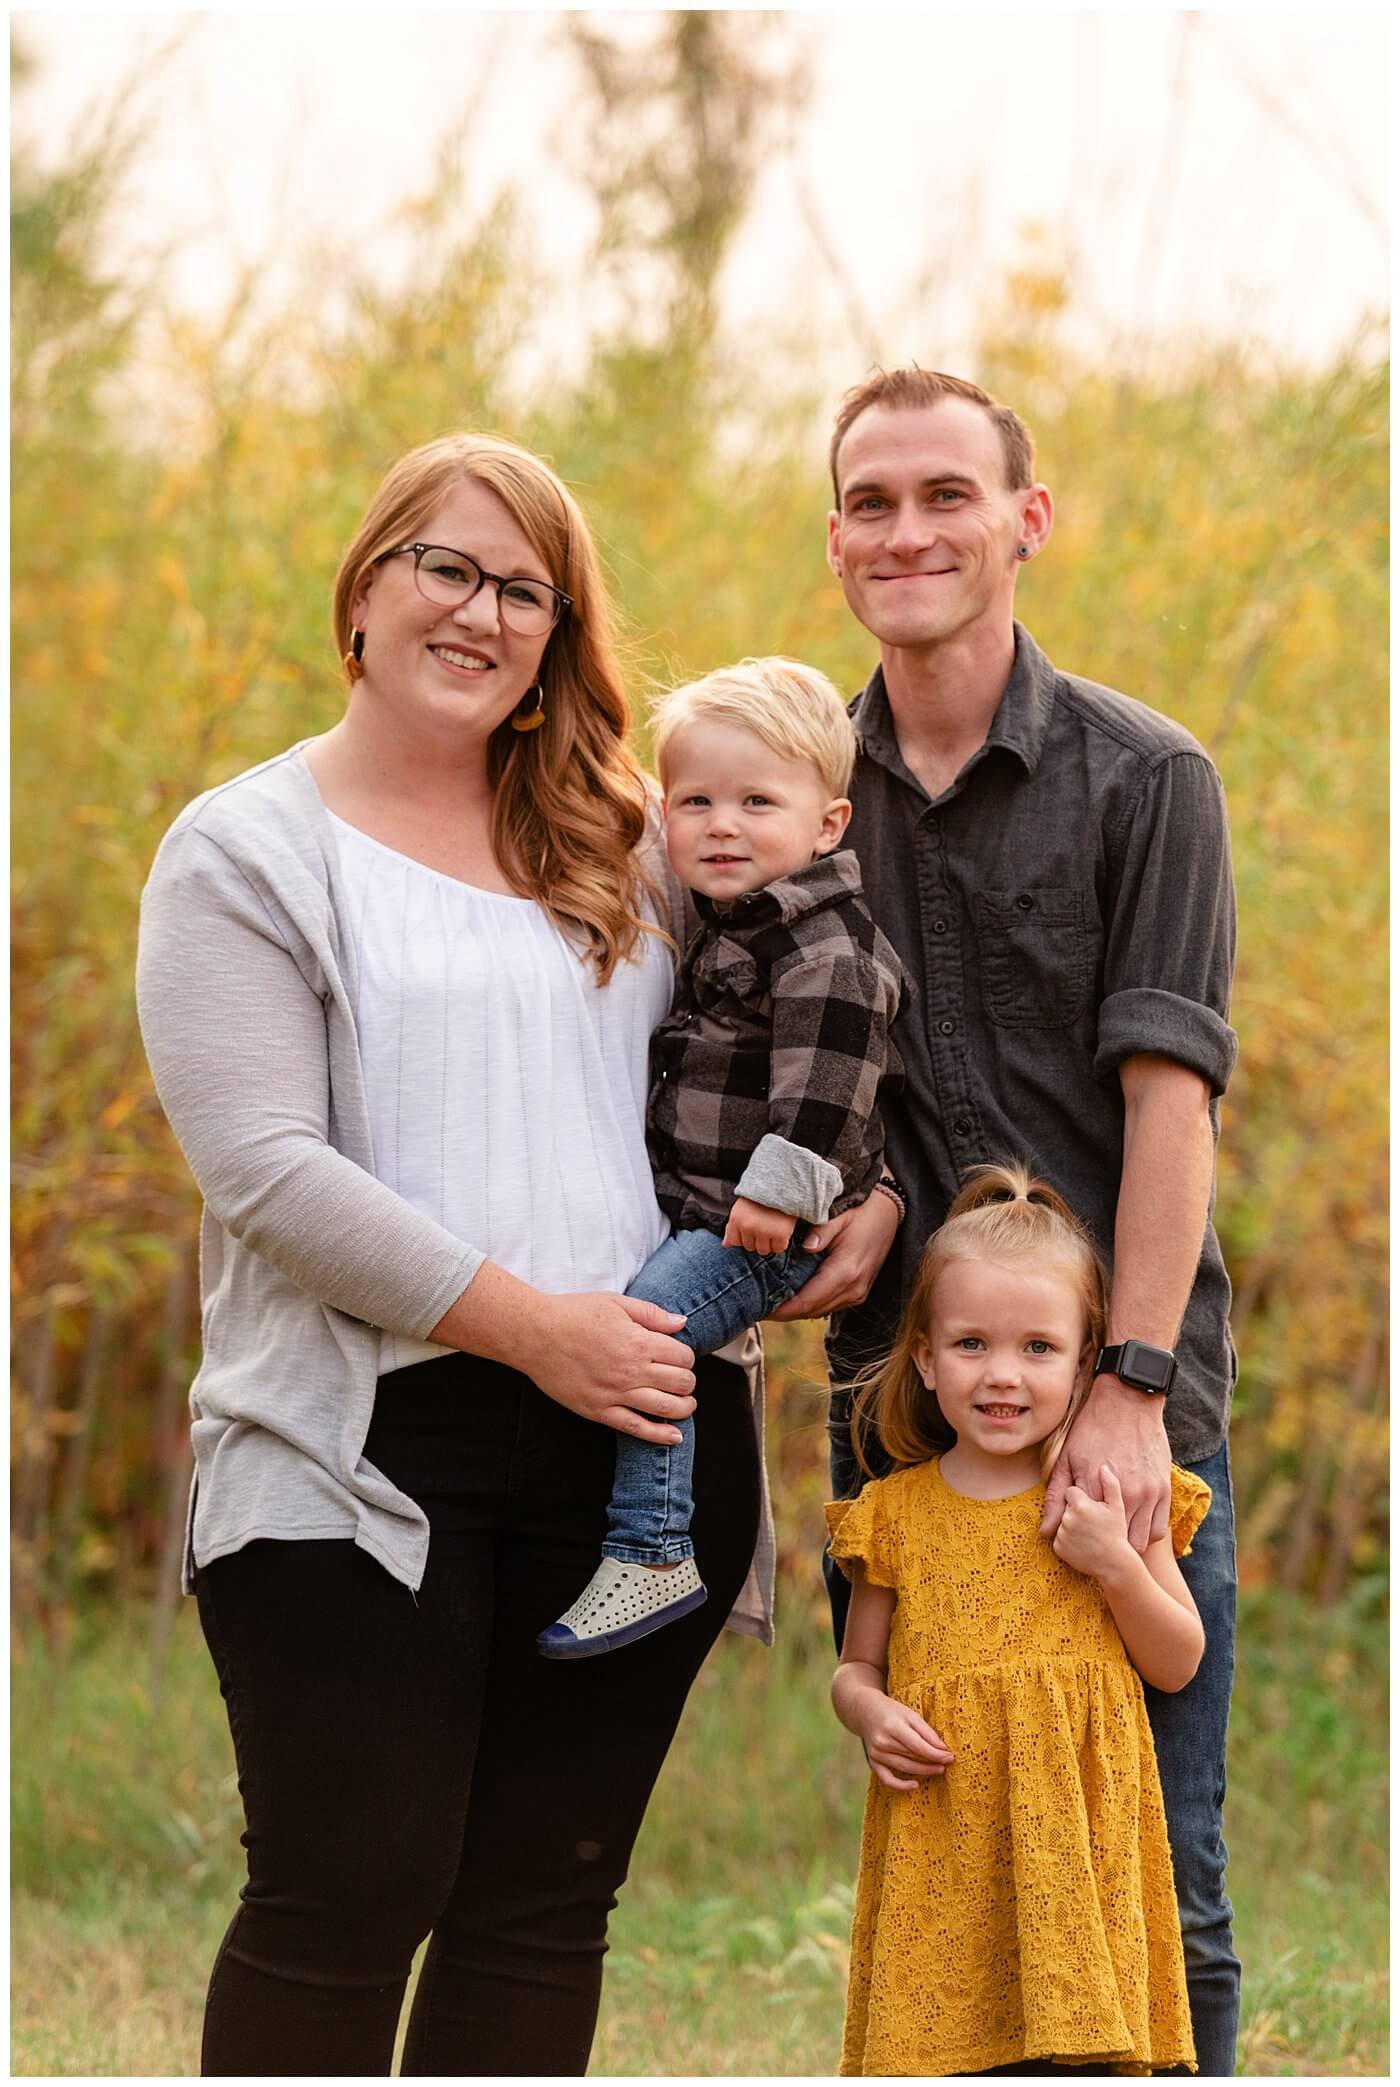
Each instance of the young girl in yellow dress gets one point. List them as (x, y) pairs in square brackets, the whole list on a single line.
[(1015, 1907)]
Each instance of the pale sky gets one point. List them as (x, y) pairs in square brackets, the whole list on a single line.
[(1221, 172)]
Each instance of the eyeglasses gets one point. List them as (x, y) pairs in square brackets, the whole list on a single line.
[(528, 607)]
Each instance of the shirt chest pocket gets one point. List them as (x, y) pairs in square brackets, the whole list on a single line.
[(727, 981), (1035, 954)]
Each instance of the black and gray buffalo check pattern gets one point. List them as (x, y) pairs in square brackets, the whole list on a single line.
[(781, 1023)]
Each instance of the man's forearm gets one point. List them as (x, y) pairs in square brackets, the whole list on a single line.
[(1163, 1199)]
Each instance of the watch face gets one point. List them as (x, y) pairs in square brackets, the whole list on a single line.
[(1142, 1364)]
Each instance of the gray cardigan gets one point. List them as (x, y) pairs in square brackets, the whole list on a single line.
[(245, 989)]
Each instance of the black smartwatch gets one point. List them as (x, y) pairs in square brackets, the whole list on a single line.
[(1138, 1363)]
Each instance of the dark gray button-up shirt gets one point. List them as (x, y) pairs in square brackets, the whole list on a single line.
[(1066, 903)]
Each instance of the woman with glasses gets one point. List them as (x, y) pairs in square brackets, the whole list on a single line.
[(397, 986)]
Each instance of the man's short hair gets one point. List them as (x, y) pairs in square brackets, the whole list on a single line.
[(912, 386), (790, 707)]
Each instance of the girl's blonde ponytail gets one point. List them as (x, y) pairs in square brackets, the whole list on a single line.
[(1010, 1181)]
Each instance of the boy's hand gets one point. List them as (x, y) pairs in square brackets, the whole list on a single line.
[(899, 1744), (1093, 1534), (754, 1225)]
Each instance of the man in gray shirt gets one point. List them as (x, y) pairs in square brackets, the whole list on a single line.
[(1051, 860)]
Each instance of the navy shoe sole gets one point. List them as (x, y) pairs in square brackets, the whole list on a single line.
[(567, 1646)]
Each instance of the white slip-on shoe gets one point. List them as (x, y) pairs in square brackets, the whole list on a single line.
[(620, 1604)]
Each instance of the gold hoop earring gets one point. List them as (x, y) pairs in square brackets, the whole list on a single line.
[(353, 661), (530, 720)]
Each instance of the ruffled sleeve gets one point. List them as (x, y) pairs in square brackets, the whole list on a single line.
[(1190, 1504), (860, 1532)]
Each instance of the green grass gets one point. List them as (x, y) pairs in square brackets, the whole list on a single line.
[(729, 1946)]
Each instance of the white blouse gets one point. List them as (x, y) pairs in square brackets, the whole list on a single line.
[(507, 1091)]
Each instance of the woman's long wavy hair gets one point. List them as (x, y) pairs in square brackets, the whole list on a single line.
[(1001, 1214), (571, 802)]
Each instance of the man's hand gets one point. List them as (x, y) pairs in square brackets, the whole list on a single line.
[(1163, 1200), (754, 1225), (855, 1245), (1124, 1428)]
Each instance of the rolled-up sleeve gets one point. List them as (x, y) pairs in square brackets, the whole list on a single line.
[(1170, 948)]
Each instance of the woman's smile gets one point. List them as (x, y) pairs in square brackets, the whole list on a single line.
[(461, 662)]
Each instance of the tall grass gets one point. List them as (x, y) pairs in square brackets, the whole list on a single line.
[(729, 1946)]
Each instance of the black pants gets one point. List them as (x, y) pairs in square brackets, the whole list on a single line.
[(410, 1767)]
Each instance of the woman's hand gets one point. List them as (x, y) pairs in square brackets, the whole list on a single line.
[(855, 1245), (606, 1357), (612, 1359)]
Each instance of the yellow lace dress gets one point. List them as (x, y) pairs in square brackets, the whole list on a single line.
[(1020, 1905)]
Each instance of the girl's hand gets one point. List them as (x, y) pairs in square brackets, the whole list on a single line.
[(756, 1226), (1120, 1426), (1093, 1534), (899, 1744), (612, 1360)]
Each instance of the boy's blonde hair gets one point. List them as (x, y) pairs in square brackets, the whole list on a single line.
[(1001, 1214), (790, 707)]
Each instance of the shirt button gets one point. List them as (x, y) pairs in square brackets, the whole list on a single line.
[(940, 927), (962, 1128), (946, 1028), (1025, 902)]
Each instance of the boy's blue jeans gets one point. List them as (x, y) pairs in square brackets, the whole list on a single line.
[(722, 1290)]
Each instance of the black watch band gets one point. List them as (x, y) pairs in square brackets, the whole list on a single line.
[(1140, 1364)]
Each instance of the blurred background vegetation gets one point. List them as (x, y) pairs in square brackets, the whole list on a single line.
[(181, 491)]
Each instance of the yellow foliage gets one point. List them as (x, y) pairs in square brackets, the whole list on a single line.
[(1220, 553)]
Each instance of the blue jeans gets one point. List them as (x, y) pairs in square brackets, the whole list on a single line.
[(722, 1290), (1189, 1729)]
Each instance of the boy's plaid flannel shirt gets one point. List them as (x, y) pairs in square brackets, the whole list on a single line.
[(780, 1028)]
